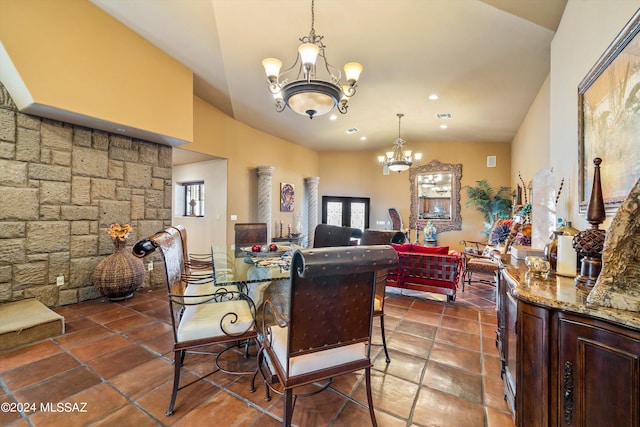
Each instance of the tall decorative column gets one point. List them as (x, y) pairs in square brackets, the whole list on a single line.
[(311, 184), (264, 196)]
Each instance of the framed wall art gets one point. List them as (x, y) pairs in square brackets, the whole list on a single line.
[(287, 197), (609, 120)]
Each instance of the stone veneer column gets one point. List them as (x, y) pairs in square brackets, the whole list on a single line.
[(264, 196), (311, 183)]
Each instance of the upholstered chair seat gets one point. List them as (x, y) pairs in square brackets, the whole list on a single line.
[(313, 362), (213, 320)]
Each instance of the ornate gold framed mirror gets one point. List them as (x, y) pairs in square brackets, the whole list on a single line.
[(435, 195)]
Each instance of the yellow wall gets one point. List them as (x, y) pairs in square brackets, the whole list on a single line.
[(530, 147), (586, 30), (74, 57), (358, 174), (219, 135)]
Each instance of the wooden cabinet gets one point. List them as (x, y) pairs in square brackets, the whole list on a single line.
[(532, 370), (597, 375), (434, 208), (568, 364)]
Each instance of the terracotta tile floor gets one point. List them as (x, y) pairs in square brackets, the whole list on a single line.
[(116, 358)]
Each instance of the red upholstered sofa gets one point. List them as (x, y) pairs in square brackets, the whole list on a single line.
[(427, 269)]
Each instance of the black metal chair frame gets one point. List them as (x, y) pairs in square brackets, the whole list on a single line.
[(186, 290), (381, 237)]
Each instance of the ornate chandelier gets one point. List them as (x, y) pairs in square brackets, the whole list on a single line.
[(399, 159), (307, 94)]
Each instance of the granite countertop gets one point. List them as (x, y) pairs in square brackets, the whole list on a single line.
[(560, 292)]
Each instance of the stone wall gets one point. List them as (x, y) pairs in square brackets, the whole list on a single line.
[(61, 186)]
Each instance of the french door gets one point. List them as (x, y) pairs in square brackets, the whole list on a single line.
[(346, 211)]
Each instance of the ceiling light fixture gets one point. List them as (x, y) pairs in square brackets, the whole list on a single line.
[(307, 94), (399, 159)]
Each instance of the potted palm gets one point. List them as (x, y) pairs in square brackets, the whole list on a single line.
[(492, 205)]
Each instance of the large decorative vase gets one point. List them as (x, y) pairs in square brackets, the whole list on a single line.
[(119, 274)]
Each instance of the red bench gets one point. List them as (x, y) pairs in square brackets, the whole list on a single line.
[(426, 269)]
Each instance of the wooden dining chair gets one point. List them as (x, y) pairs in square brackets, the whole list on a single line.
[(327, 329), (202, 313)]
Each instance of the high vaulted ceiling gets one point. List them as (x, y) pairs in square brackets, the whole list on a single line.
[(486, 60)]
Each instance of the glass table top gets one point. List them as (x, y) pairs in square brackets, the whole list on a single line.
[(263, 276), (238, 266)]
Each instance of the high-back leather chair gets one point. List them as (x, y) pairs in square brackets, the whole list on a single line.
[(194, 263), (326, 235), (327, 330), (249, 233)]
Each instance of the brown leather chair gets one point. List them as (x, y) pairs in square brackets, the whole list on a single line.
[(381, 237), (326, 235), (327, 330), (194, 263), (248, 234)]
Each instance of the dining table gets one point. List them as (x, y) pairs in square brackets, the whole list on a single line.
[(261, 275)]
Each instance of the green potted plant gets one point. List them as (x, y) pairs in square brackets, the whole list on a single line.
[(491, 205)]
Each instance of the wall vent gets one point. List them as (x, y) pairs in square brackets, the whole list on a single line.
[(443, 115)]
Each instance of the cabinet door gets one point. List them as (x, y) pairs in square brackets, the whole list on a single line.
[(532, 381), (501, 295), (598, 376), (509, 348)]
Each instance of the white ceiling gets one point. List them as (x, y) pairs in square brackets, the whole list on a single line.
[(485, 59)]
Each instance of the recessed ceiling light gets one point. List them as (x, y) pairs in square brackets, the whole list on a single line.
[(433, 97), (333, 117), (444, 115), (443, 126), (363, 138), (351, 130)]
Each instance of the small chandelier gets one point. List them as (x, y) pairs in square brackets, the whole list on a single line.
[(307, 94), (399, 159)]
